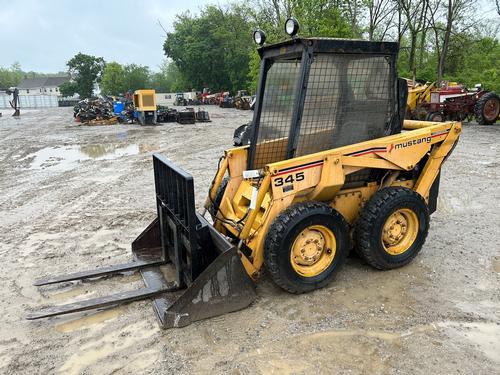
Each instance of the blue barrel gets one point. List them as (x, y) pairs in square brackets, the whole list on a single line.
[(118, 107)]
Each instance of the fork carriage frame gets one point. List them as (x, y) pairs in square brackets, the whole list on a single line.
[(411, 159)]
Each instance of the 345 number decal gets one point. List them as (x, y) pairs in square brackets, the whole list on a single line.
[(290, 179)]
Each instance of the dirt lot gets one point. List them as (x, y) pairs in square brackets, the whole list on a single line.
[(74, 197)]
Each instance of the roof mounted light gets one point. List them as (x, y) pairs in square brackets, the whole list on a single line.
[(259, 37), (292, 27)]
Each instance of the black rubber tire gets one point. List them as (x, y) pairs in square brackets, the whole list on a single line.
[(237, 136), (282, 234), (241, 136), (435, 117), (479, 108), (214, 207), (368, 230)]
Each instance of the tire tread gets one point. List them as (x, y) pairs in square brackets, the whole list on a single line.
[(276, 230), (368, 217)]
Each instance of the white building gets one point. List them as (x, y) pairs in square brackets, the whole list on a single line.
[(42, 86)]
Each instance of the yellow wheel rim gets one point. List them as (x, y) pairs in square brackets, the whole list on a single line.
[(400, 231), (313, 250)]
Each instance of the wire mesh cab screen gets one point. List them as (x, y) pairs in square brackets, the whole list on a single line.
[(348, 100), (277, 109)]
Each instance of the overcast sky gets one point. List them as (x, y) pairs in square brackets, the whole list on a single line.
[(42, 35)]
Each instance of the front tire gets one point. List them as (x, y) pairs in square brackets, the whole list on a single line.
[(392, 228), (305, 247)]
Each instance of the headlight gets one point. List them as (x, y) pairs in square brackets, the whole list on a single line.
[(291, 26), (259, 37)]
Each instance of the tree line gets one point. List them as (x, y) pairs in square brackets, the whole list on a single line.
[(11, 76), (439, 39), (113, 78), (86, 70)]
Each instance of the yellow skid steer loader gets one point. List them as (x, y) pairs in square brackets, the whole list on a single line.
[(332, 166)]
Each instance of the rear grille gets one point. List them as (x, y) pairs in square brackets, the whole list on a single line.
[(148, 100)]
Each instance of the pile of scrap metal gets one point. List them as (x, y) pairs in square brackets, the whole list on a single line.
[(202, 116), (165, 114), (185, 116), (125, 111), (193, 98), (95, 112), (242, 100)]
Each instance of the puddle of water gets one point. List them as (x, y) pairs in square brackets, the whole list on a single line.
[(96, 351), (495, 264), (485, 336), (380, 335), (67, 157), (89, 320), (67, 294)]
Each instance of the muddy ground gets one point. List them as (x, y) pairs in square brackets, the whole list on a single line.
[(74, 197)]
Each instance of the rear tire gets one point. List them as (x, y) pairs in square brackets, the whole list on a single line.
[(306, 246), (392, 228), (487, 109), (435, 117)]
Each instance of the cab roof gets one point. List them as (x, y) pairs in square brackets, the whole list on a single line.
[(328, 45)]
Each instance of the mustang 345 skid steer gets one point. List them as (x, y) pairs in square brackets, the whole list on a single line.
[(332, 165)]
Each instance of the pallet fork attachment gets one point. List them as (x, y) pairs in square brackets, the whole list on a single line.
[(210, 279)]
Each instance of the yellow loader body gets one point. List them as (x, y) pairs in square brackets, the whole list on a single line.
[(321, 177)]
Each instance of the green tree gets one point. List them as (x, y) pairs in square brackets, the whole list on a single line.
[(136, 77), (11, 77), (474, 60), (68, 88), (169, 78), (212, 49), (113, 79), (85, 71)]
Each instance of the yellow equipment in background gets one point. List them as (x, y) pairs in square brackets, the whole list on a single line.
[(145, 105), (418, 95)]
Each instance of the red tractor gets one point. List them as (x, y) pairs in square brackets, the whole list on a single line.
[(454, 102), (458, 103)]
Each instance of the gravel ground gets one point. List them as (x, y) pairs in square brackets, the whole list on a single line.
[(74, 197)]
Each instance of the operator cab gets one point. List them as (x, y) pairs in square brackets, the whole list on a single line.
[(316, 94)]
